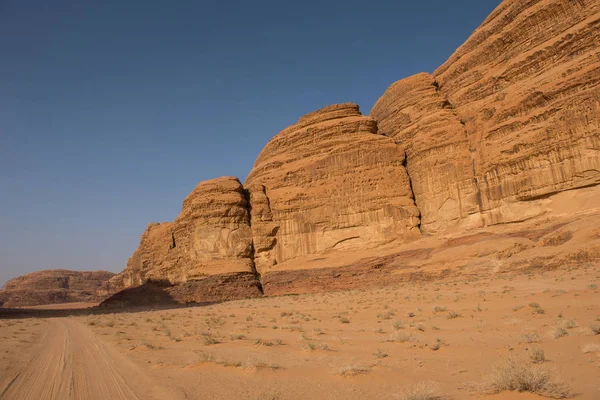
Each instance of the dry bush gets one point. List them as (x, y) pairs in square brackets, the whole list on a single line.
[(402, 337), (440, 309), (352, 370), (209, 339), (569, 324), (398, 325), (559, 332), (421, 391), (537, 355), (595, 328), (519, 376), (380, 354), (530, 338)]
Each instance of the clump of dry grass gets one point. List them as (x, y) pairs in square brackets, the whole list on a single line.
[(421, 391), (353, 370), (398, 325), (453, 314), (402, 337), (569, 324), (519, 376), (559, 332), (530, 338), (537, 355), (380, 354), (595, 328), (209, 339), (440, 309)]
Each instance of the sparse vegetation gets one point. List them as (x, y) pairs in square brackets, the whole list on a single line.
[(398, 325), (537, 355), (352, 370), (518, 376), (530, 338), (559, 332), (421, 391), (380, 354), (402, 337)]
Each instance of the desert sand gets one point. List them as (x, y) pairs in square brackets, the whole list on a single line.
[(448, 336)]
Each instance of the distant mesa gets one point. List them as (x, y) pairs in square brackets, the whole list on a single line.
[(52, 287)]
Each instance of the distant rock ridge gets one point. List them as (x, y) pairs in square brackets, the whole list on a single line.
[(53, 286), (511, 118)]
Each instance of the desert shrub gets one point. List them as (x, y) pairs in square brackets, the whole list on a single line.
[(398, 325), (530, 338), (453, 314), (518, 376), (537, 355), (421, 391), (559, 332), (402, 337), (352, 370)]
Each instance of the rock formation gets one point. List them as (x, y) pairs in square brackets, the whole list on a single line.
[(512, 116), (52, 287), (496, 134), (327, 183), (209, 241)]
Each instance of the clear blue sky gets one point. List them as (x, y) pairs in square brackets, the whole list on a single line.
[(111, 111)]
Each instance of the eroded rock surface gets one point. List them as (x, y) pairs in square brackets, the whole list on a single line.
[(211, 236), (328, 183), (422, 122), (504, 131), (53, 287), (513, 115)]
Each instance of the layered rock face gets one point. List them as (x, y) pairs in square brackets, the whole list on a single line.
[(328, 183), (211, 237), (419, 118), (497, 134), (514, 114), (52, 287)]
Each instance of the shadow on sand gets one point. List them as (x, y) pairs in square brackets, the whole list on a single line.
[(151, 296)]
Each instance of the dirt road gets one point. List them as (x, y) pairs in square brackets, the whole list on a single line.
[(72, 363)]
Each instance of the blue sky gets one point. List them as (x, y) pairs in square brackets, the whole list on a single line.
[(112, 111)]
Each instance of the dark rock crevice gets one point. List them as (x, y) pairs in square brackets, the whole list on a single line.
[(246, 194), (412, 191)]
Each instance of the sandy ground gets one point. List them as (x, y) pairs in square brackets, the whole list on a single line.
[(372, 344)]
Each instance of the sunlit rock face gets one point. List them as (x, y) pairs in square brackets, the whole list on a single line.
[(328, 183), (512, 116)]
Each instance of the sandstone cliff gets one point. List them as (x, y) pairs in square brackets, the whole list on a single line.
[(51, 287), (512, 116), (328, 183), (209, 241), (499, 133)]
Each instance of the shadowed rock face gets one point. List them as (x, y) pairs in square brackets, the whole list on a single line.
[(327, 183), (53, 286), (210, 237), (514, 114)]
